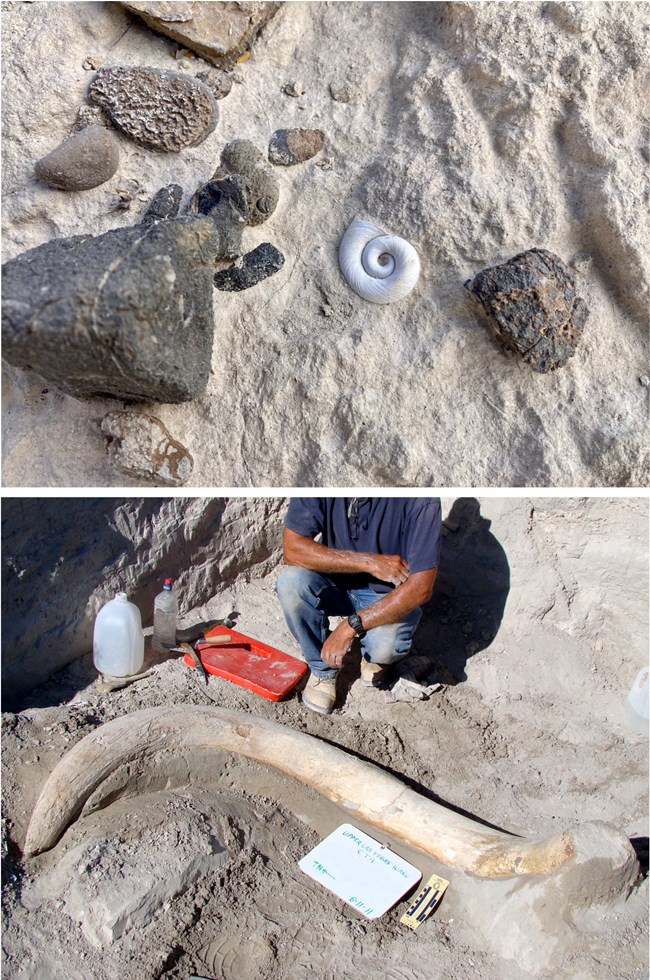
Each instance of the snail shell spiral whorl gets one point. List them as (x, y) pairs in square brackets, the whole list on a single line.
[(381, 268)]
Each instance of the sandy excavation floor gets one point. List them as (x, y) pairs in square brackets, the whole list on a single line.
[(475, 131), (527, 734)]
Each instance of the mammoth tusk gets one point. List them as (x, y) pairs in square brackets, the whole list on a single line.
[(379, 267), (362, 789)]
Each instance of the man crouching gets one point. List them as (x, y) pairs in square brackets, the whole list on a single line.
[(375, 565)]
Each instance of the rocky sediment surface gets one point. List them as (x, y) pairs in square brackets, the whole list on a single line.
[(477, 132)]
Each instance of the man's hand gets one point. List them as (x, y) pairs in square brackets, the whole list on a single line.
[(389, 568), (337, 645)]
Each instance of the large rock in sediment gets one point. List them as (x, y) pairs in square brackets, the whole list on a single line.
[(533, 307), (219, 32), (162, 110), (127, 314)]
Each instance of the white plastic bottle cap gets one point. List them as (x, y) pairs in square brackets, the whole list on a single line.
[(122, 596)]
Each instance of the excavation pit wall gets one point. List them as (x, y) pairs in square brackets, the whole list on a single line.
[(64, 561)]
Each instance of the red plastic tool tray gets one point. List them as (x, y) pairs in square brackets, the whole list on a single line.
[(249, 663)]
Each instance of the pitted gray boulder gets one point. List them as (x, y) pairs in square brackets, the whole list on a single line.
[(127, 314), (162, 110)]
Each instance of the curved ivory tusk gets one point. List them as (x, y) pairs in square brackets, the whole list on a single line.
[(379, 267), (361, 788)]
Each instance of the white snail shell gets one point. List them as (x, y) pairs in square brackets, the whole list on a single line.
[(379, 267)]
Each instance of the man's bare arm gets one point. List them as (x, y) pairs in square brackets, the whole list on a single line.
[(391, 608), (394, 606), (306, 553)]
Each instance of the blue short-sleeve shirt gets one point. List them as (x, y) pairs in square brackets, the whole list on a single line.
[(405, 526)]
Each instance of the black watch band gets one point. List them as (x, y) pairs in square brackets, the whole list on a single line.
[(355, 622)]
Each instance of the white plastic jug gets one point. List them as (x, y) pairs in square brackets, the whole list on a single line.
[(637, 706), (118, 640)]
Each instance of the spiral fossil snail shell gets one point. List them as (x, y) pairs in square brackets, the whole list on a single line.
[(379, 267)]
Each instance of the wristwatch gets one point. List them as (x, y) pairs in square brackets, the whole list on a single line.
[(355, 622)]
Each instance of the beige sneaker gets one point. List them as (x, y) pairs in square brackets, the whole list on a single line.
[(320, 694), (372, 675)]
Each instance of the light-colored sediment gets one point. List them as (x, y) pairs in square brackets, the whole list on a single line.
[(475, 131)]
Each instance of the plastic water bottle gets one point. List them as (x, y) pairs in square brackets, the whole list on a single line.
[(637, 706), (118, 640), (165, 615)]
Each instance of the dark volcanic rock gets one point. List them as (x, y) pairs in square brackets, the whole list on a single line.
[(533, 307), (225, 202), (257, 265), (128, 314), (164, 204), (84, 160), (290, 146), (162, 110)]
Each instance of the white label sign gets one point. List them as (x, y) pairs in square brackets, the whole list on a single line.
[(360, 870)]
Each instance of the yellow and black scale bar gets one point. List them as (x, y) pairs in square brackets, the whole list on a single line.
[(426, 902)]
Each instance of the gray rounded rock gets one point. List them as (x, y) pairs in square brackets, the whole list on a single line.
[(241, 158), (344, 91), (162, 110), (219, 82), (84, 160)]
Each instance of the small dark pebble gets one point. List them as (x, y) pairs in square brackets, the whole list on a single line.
[(257, 265), (165, 204), (533, 307)]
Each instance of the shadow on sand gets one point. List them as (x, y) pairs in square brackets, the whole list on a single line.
[(465, 612)]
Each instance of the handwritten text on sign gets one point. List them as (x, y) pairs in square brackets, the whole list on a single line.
[(360, 870)]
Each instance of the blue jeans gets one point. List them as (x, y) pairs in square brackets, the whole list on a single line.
[(309, 598)]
